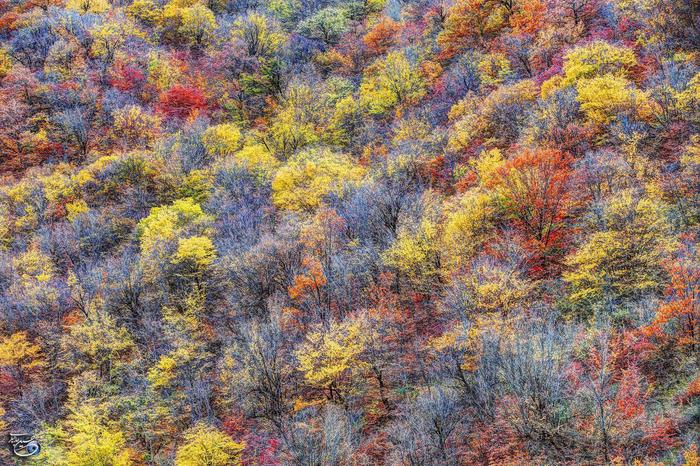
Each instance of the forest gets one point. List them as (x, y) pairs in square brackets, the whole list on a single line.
[(350, 232)]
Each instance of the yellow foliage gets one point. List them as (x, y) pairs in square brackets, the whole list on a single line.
[(33, 266), (17, 351), (58, 184), (161, 72), (146, 11), (688, 101), (87, 174), (416, 254), (97, 343), (197, 250), (164, 222), (197, 185), (134, 126), (260, 35), (494, 68), (410, 129), (390, 82), (93, 440), (596, 60), (493, 289), (75, 208), (312, 174), (691, 457), (487, 165), (603, 98), (109, 36), (257, 159), (5, 63), (221, 140), (326, 357), (197, 24), (163, 373), (469, 225), (88, 6), (479, 118), (624, 259), (205, 445)]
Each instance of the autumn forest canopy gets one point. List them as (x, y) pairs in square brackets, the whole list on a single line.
[(334, 233)]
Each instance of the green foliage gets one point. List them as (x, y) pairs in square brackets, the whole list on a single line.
[(328, 24)]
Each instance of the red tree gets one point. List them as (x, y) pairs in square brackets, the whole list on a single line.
[(182, 101), (537, 190)]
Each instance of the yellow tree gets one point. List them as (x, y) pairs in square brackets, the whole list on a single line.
[(331, 358), (624, 260), (391, 82), (88, 6), (206, 446), (164, 225), (20, 357), (307, 177), (603, 98), (597, 59), (94, 441), (259, 35), (416, 255), (197, 25), (221, 140)]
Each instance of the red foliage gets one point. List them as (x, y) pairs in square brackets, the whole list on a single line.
[(677, 320), (382, 36), (537, 186), (182, 101), (125, 77)]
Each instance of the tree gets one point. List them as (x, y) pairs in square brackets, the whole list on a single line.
[(605, 98), (182, 102), (260, 35), (88, 6), (91, 440), (221, 140), (416, 256), (391, 82), (197, 25), (471, 22), (623, 261), (536, 188), (381, 37), (330, 359), (310, 175), (328, 24), (596, 60), (20, 359), (677, 320), (206, 446)]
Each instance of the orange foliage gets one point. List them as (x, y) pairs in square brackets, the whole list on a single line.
[(382, 36)]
